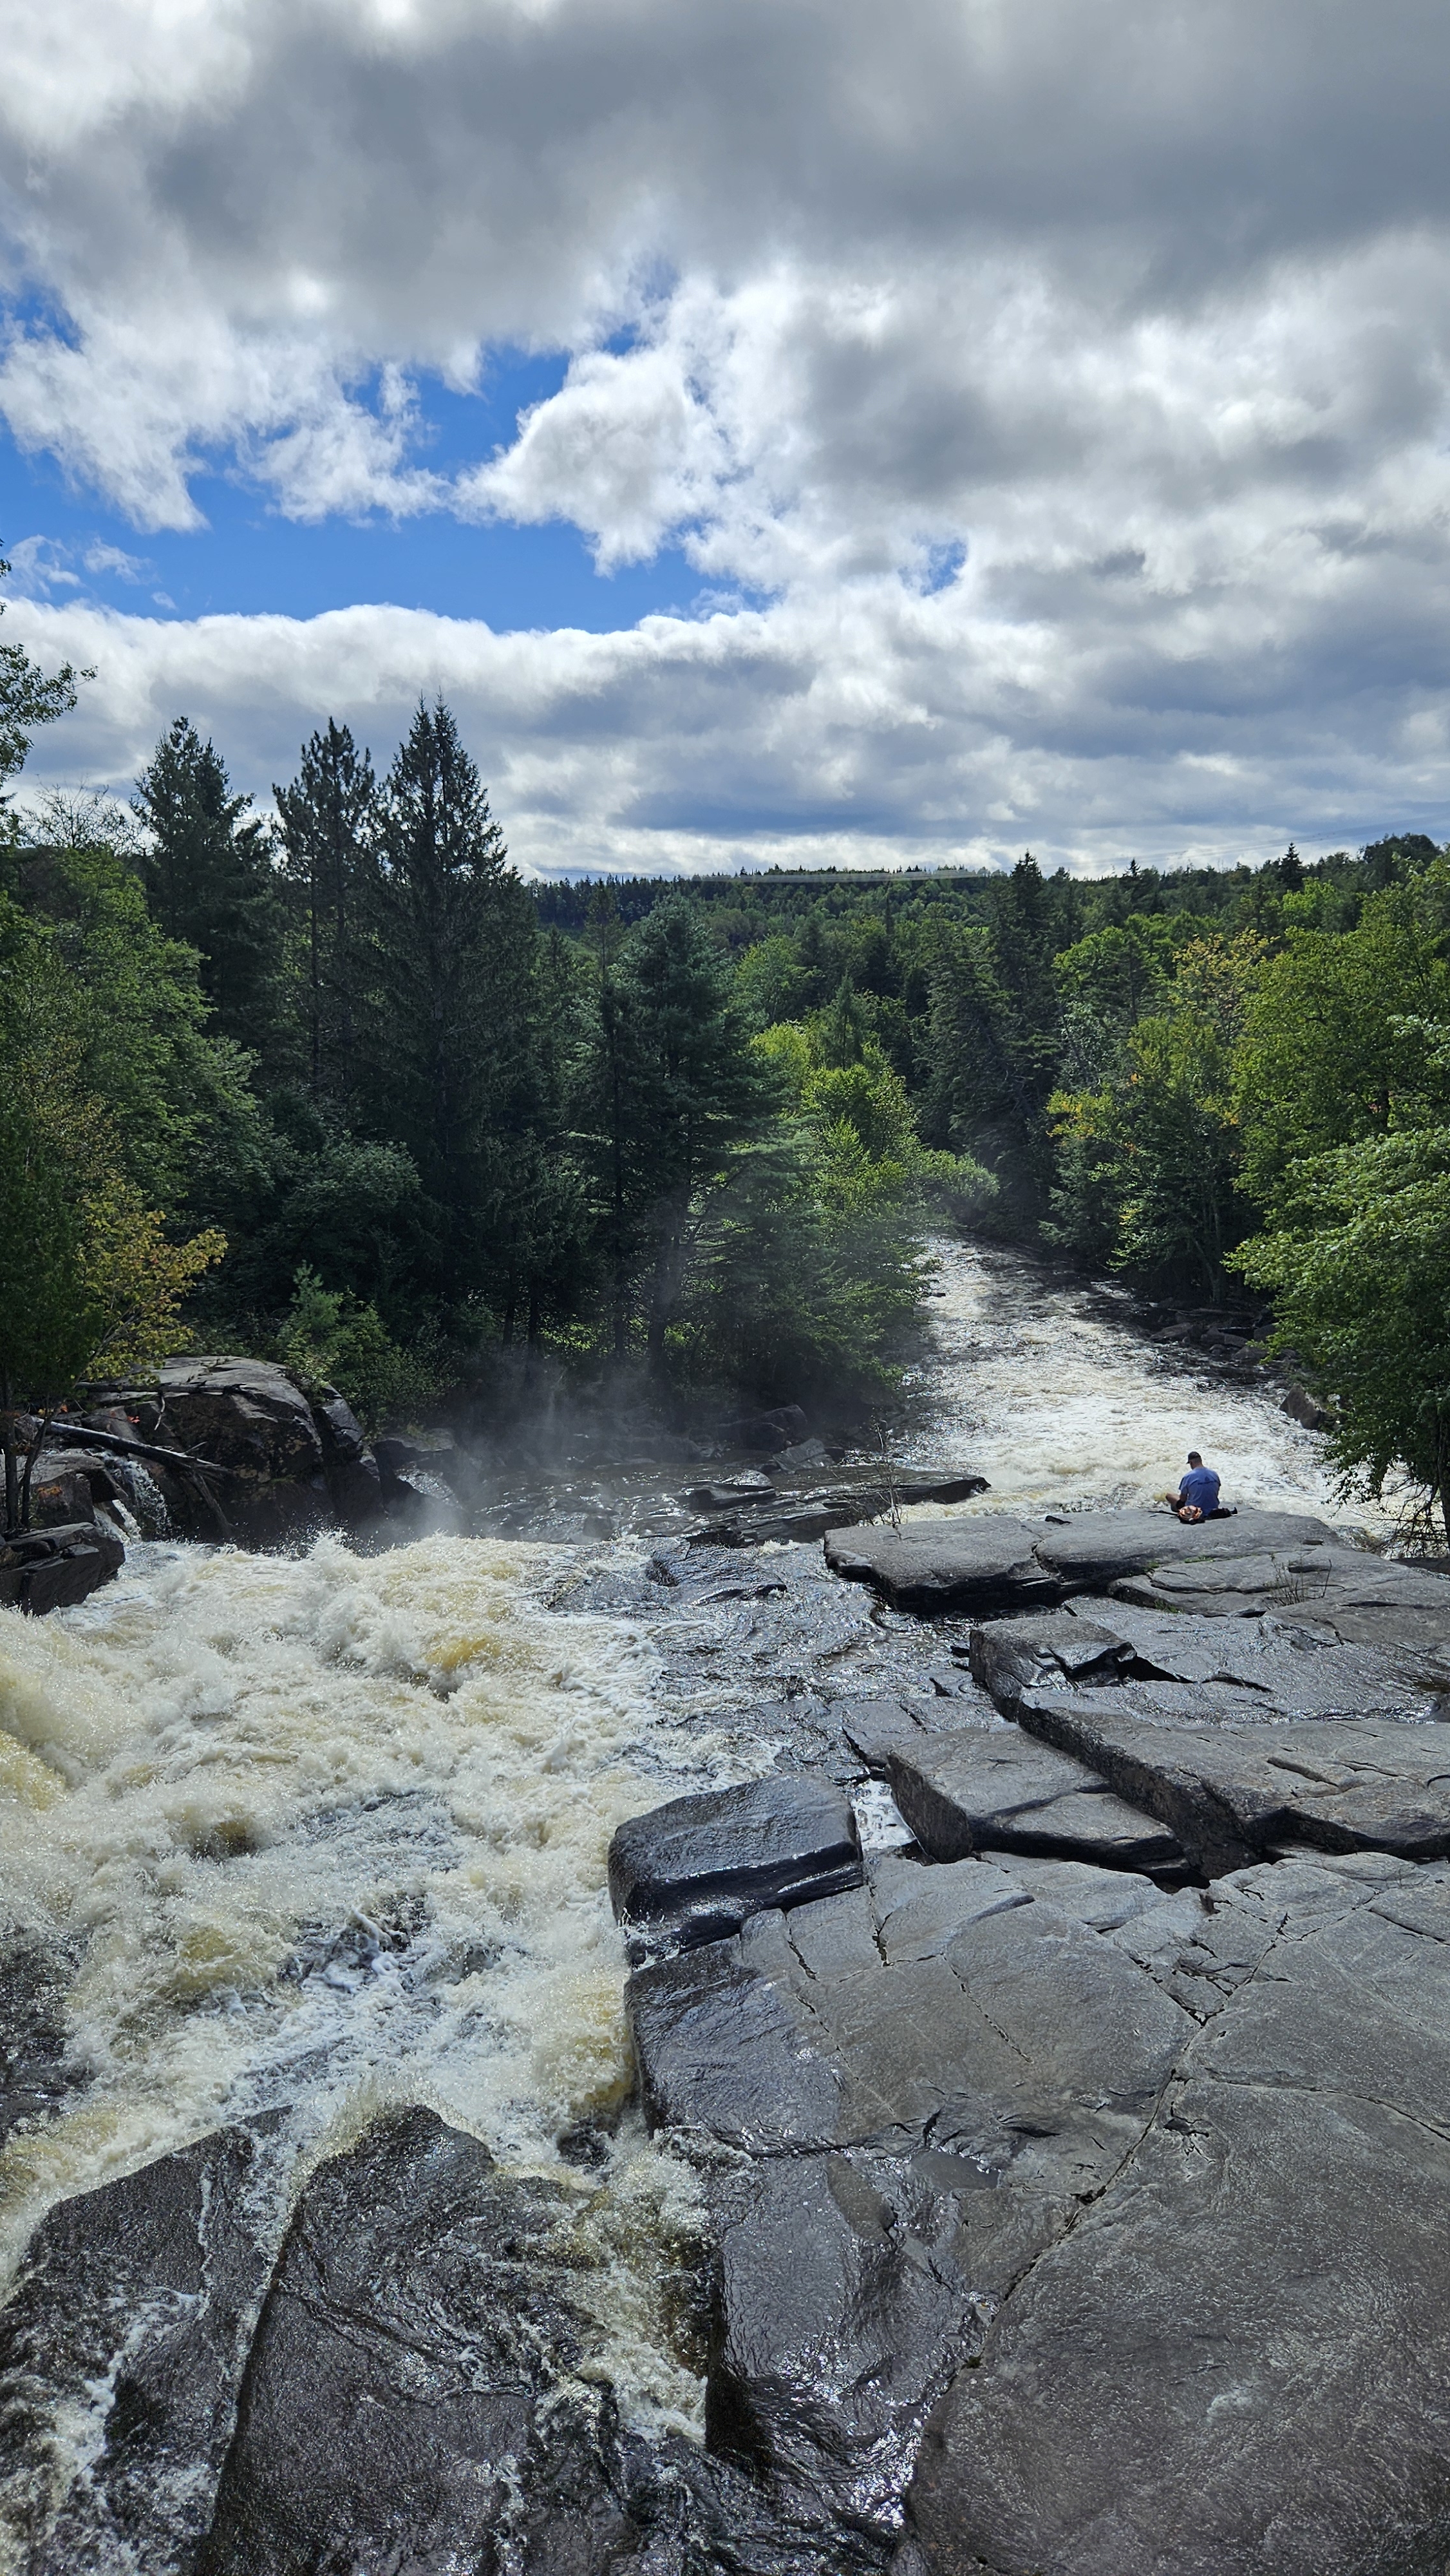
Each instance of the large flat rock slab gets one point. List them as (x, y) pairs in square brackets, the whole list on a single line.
[(979, 1792), (697, 1868), (940, 1566), (930, 2080), (990, 1563), (1232, 1791), (1261, 1668), (1238, 2358)]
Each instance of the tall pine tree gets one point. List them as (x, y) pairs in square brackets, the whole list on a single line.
[(210, 880), (457, 936), (328, 819)]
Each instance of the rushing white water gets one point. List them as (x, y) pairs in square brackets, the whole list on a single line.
[(334, 1830), (1061, 1406), (331, 1831)]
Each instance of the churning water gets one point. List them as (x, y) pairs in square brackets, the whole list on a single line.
[(1045, 1389), (331, 1831)]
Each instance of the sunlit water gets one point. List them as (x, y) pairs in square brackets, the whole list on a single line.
[(1047, 1391), (331, 1832)]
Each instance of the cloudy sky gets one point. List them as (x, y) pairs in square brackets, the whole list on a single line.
[(798, 430)]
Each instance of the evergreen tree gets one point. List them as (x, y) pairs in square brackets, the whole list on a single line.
[(328, 821), (678, 1091), (457, 941), (210, 880)]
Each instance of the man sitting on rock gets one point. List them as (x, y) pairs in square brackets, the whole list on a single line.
[(1197, 1496)]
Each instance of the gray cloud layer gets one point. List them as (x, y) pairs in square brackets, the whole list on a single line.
[(1071, 379)]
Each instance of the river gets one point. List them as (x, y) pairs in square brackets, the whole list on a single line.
[(330, 1831)]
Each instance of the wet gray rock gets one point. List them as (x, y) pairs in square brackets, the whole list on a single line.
[(974, 1792), (52, 1569), (931, 2076), (35, 1977), (121, 2352), (696, 1869), (1232, 1792), (1046, 1646), (845, 2307), (409, 2399), (1239, 2355), (939, 1566), (993, 1564)]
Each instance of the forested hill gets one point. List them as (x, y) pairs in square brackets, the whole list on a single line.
[(341, 1088)]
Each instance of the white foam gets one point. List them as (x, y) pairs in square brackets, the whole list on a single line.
[(1062, 1407), (335, 1829)]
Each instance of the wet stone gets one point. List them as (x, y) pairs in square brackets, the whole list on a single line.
[(974, 1792), (697, 1868), (121, 2353)]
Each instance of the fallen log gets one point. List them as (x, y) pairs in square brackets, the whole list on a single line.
[(80, 1438)]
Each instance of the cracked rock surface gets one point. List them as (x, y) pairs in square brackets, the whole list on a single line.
[(1239, 2355)]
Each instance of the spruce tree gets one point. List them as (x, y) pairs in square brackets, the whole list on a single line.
[(457, 940), (210, 881), (328, 821)]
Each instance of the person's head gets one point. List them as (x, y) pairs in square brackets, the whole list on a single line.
[(1194, 1459)]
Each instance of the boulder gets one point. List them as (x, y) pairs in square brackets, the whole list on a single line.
[(1089, 1551), (130, 2320), (697, 1868), (411, 2398), (1237, 2356), (973, 1792), (1047, 1646), (52, 1569), (295, 1464)]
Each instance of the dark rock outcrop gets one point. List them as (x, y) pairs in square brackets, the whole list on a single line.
[(1238, 2356), (696, 1869), (50, 1569), (409, 2399), (295, 1463), (128, 2332)]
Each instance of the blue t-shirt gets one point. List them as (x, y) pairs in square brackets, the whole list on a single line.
[(1200, 1486)]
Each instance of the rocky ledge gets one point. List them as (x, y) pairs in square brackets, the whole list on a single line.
[(216, 1448), (1077, 2176), (1074, 2139)]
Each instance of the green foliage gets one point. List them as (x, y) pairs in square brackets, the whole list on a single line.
[(332, 1338), (1328, 1052), (328, 819), (210, 880), (1359, 1268), (1150, 1156), (88, 1278), (29, 698)]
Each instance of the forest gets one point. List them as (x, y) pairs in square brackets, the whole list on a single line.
[(335, 1085)]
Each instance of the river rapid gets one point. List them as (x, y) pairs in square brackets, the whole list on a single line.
[(328, 1833)]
